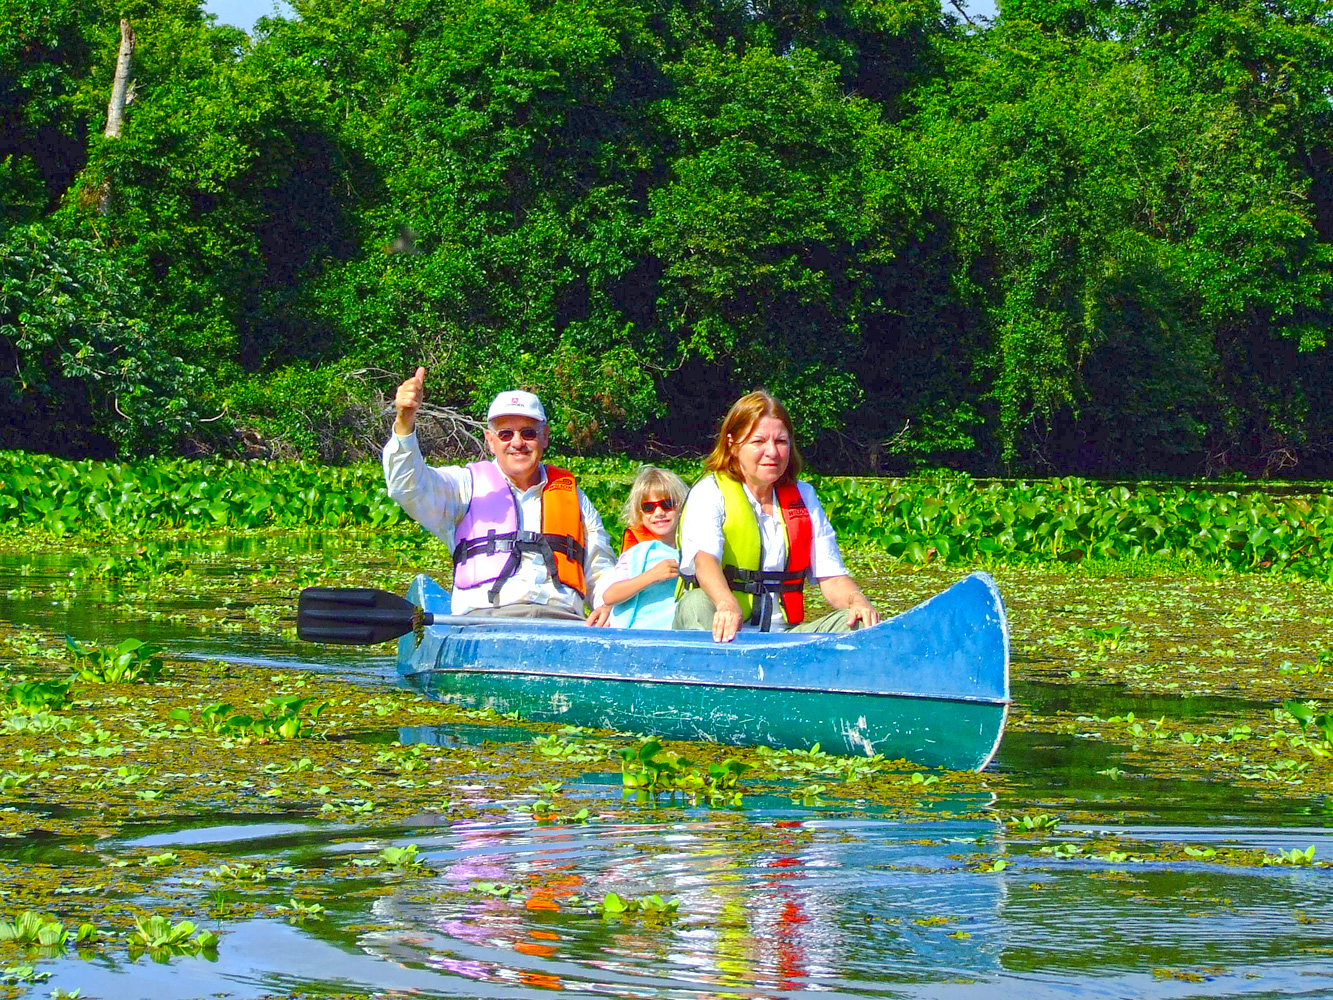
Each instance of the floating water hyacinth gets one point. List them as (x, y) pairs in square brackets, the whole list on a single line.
[(940, 518)]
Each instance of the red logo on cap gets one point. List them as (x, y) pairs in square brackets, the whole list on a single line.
[(513, 399)]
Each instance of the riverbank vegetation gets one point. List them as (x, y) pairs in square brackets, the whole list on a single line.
[(948, 518), (1089, 238)]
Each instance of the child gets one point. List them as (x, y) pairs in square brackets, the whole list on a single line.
[(642, 587)]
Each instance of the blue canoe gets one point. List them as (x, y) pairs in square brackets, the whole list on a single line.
[(930, 685)]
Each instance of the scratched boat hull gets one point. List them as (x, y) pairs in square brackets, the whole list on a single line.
[(930, 685)]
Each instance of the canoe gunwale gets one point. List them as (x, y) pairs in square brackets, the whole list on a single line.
[(691, 682)]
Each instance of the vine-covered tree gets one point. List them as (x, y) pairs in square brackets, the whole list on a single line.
[(1088, 236)]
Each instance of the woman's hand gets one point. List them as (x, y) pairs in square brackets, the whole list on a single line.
[(599, 617), (861, 610), (726, 621), (842, 592)]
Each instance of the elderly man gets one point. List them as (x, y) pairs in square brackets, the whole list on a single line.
[(526, 541)]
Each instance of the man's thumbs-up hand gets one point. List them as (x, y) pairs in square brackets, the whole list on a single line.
[(408, 401)]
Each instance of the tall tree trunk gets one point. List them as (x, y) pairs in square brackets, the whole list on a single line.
[(115, 108)]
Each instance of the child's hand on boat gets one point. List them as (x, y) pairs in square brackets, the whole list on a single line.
[(599, 616)]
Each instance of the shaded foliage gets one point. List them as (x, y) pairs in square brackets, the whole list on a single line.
[(1087, 236), (83, 371)]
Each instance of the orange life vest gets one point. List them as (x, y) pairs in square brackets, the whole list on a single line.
[(562, 519), (490, 544), (633, 536)]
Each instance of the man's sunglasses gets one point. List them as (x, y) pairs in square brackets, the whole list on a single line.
[(526, 433), (648, 506)]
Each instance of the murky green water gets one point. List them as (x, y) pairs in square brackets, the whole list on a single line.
[(774, 898)]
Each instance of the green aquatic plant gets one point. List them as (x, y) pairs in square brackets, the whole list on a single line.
[(809, 796), (281, 718), (158, 936), (11, 780), (650, 909), (546, 810), (237, 872), (1063, 851), (950, 519), (145, 563), (136, 498), (299, 912), (131, 661), (500, 890), (1304, 713), (815, 761), (650, 771), (1106, 638), (571, 749), (22, 975), (33, 928), (1041, 823), (404, 859), (1295, 856), (37, 696), (36, 723)]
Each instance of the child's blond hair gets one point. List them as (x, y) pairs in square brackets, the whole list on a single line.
[(651, 479)]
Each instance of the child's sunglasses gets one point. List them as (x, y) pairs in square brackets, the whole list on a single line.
[(526, 433), (648, 506)]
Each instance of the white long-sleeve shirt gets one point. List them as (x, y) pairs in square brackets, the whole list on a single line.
[(437, 497)]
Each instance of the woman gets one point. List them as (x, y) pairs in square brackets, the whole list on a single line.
[(751, 535)]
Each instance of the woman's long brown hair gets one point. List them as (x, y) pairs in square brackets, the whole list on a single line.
[(736, 427)]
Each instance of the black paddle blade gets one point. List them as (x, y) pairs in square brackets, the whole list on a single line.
[(355, 616)]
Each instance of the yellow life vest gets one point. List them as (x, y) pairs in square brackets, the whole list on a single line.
[(743, 552)]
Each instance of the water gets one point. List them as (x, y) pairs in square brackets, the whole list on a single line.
[(855, 908), (774, 899)]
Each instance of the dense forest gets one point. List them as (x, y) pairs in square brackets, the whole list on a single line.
[(1088, 237)]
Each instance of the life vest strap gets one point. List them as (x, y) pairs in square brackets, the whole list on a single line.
[(516, 543), (759, 583)]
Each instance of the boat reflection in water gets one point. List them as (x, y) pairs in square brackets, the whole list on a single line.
[(777, 906)]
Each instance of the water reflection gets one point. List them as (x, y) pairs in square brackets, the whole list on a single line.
[(777, 907), (769, 906), (790, 908)]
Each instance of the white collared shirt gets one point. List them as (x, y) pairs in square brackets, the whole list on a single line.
[(701, 531), (437, 497)]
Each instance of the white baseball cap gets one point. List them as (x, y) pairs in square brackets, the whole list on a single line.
[(516, 403)]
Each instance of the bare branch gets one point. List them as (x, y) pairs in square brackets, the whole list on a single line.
[(959, 7)]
